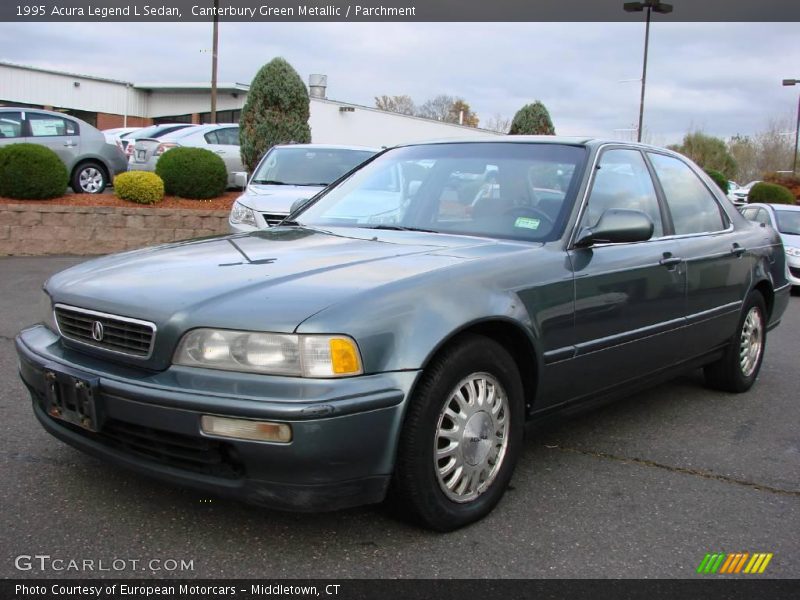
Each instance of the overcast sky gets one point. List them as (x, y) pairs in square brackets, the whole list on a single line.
[(723, 78)]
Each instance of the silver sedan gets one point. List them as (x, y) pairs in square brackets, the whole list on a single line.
[(223, 140)]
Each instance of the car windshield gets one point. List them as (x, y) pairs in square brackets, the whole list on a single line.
[(788, 221), (307, 166), (504, 190)]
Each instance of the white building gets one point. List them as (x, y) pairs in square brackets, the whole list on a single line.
[(108, 103)]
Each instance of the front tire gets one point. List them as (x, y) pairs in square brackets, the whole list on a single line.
[(738, 369), (462, 435), (89, 178)]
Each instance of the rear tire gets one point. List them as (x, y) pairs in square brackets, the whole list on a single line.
[(89, 178), (738, 369), (461, 437)]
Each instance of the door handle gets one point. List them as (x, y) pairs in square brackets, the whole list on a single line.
[(69, 144), (737, 250), (670, 261)]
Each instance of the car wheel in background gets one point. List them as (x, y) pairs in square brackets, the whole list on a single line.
[(89, 178), (461, 437), (737, 370)]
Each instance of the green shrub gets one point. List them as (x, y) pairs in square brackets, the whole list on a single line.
[(532, 119), (719, 179), (276, 112), (770, 193), (139, 186), (31, 172), (194, 173)]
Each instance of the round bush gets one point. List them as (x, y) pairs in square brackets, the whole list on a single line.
[(194, 173), (719, 179), (770, 193), (31, 172), (139, 186)]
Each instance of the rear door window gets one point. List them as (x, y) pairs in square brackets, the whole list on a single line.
[(228, 136), (42, 125), (691, 204)]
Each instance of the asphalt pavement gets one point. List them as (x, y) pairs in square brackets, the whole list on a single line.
[(644, 487)]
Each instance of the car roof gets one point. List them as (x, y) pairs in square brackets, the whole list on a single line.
[(539, 139), (774, 206), (329, 147)]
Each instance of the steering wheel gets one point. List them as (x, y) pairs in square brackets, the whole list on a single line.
[(525, 211)]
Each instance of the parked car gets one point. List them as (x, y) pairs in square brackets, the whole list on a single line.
[(287, 174), (153, 132), (739, 195), (311, 365), (119, 135), (91, 161), (785, 219), (220, 139)]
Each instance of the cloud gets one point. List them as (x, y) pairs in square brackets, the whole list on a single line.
[(724, 78)]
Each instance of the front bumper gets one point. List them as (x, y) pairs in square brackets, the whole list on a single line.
[(344, 431)]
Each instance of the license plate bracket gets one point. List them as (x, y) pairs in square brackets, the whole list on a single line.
[(73, 397)]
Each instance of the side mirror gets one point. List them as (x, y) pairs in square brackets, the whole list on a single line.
[(240, 179), (298, 204), (616, 226)]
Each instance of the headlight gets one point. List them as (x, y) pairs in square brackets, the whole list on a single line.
[(792, 251), (240, 214), (270, 353), (46, 315)]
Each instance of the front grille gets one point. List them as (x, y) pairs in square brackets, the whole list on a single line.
[(272, 219), (114, 333), (794, 271), (196, 454)]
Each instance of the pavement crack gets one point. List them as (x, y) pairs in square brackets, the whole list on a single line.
[(683, 470)]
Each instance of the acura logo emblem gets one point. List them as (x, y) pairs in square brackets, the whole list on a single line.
[(97, 331)]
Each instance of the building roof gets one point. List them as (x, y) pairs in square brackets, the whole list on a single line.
[(67, 73), (192, 87)]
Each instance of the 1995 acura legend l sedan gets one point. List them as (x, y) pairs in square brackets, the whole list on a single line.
[(395, 333)]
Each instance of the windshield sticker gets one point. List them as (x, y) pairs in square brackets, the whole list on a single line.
[(527, 223)]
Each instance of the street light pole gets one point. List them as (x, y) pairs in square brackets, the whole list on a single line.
[(649, 6), (644, 75), (797, 128)]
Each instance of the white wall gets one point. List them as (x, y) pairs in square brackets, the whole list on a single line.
[(161, 104), (371, 127), (59, 90)]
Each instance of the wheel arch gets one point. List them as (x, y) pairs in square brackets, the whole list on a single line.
[(512, 336), (764, 287)]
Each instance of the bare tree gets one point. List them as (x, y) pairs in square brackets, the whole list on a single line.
[(437, 108), (397, 104), (498, 123), (766, 152)]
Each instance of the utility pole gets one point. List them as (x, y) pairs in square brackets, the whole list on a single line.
[(214, 49)]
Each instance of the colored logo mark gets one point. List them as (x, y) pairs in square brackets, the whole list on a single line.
[(736, 562)]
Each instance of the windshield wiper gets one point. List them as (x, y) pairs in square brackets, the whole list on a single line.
[(311, 184), (268, 182), (400, 228)]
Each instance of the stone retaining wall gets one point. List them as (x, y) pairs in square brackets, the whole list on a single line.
[(31, 229)]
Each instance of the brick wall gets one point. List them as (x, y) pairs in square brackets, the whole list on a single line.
[(110, 121), (30, 229)]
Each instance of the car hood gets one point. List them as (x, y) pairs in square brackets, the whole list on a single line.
[(269, 280), (789, 239), (276, 198)]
